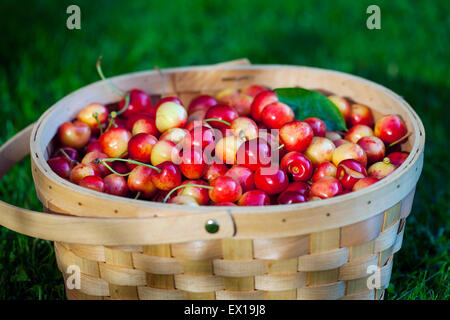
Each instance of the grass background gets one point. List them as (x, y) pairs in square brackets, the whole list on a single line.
[(41, 61)]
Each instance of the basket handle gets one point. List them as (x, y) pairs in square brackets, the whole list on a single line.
[(103, 231)]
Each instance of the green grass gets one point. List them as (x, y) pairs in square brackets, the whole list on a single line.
[(41, 61)]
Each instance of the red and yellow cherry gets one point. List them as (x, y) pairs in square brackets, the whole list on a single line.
[(349, 151), (390, 128), (296, 135), (325, 188), (61, 166), (116, 185), (221, 112), (340, 142), (94, 145), (243, 175), (93, 182), (176, 135), (145, 126), (297, 165), (324, 169), (199, 194), (140, 147), (184, 200), (132, 119), (363, 183), (163, 150), (192, 164), (318, 127), (71, 153), (301, 187), (242, 103), (75, 135), (253, 90), (244, 127), (333, 135), (272, 182), (373, 147), (349, 172), (82, 170), (357, 132), (291, 197), (170, 115), (114, 142), (140, 180), (397, 158), (276, 115), (225, 189), (227, 148), (92, 114), (254, 198), (201, 103), (254, 153), (320, 150), (260, 102), (226, 95), (360, 114), (214, 171), (381, 169), (100, 168), (168, 176), (139, 101), (199, 138), (168, 99), (343, 105)]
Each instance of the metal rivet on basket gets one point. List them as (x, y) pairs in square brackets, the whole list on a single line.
[(212, 226)]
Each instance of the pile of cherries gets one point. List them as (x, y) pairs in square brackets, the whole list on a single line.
[(222, 150)]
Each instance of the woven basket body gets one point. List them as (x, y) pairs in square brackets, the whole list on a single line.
[(129, 249)]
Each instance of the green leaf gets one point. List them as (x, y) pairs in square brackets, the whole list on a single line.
[(307, 103)]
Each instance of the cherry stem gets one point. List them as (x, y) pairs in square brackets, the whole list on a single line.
[(128, 161), (115, 172), (108, 83), (184, 186), (137, 195), (125, 107), (111, 120), (401, 139), (95, 115), (67, 156), (163, 89), (218, 120), (280, 147)]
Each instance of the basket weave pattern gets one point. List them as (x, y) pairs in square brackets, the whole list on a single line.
[(330, 264)]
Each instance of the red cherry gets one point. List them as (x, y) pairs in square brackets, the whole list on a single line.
[(139, 101), (373, 147), (363, 183), (290, 197), (192, 165), (254, 198), (93, 146), (140, 147), (397, 158), (318, 126), (225, 189), (114, 142), (100, 168), (273, 182), (327, 187), (198, 193), (61, 166), (75, 135), (140, 180), (214, 171), (243, 175), (360, 114), (260, 102), (133, 118), (390, 128), (296, 136), (116, 185), (349, 172), (93, 182), (202, 102), (297, 165), (70, 152), (276, 115), (169, 176), (254, 153), (199, 138), (301, 187), (82, 170), (221, 112), (254, 89), (324, 169)]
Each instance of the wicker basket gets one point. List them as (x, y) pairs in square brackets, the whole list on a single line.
[(131, 249)]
